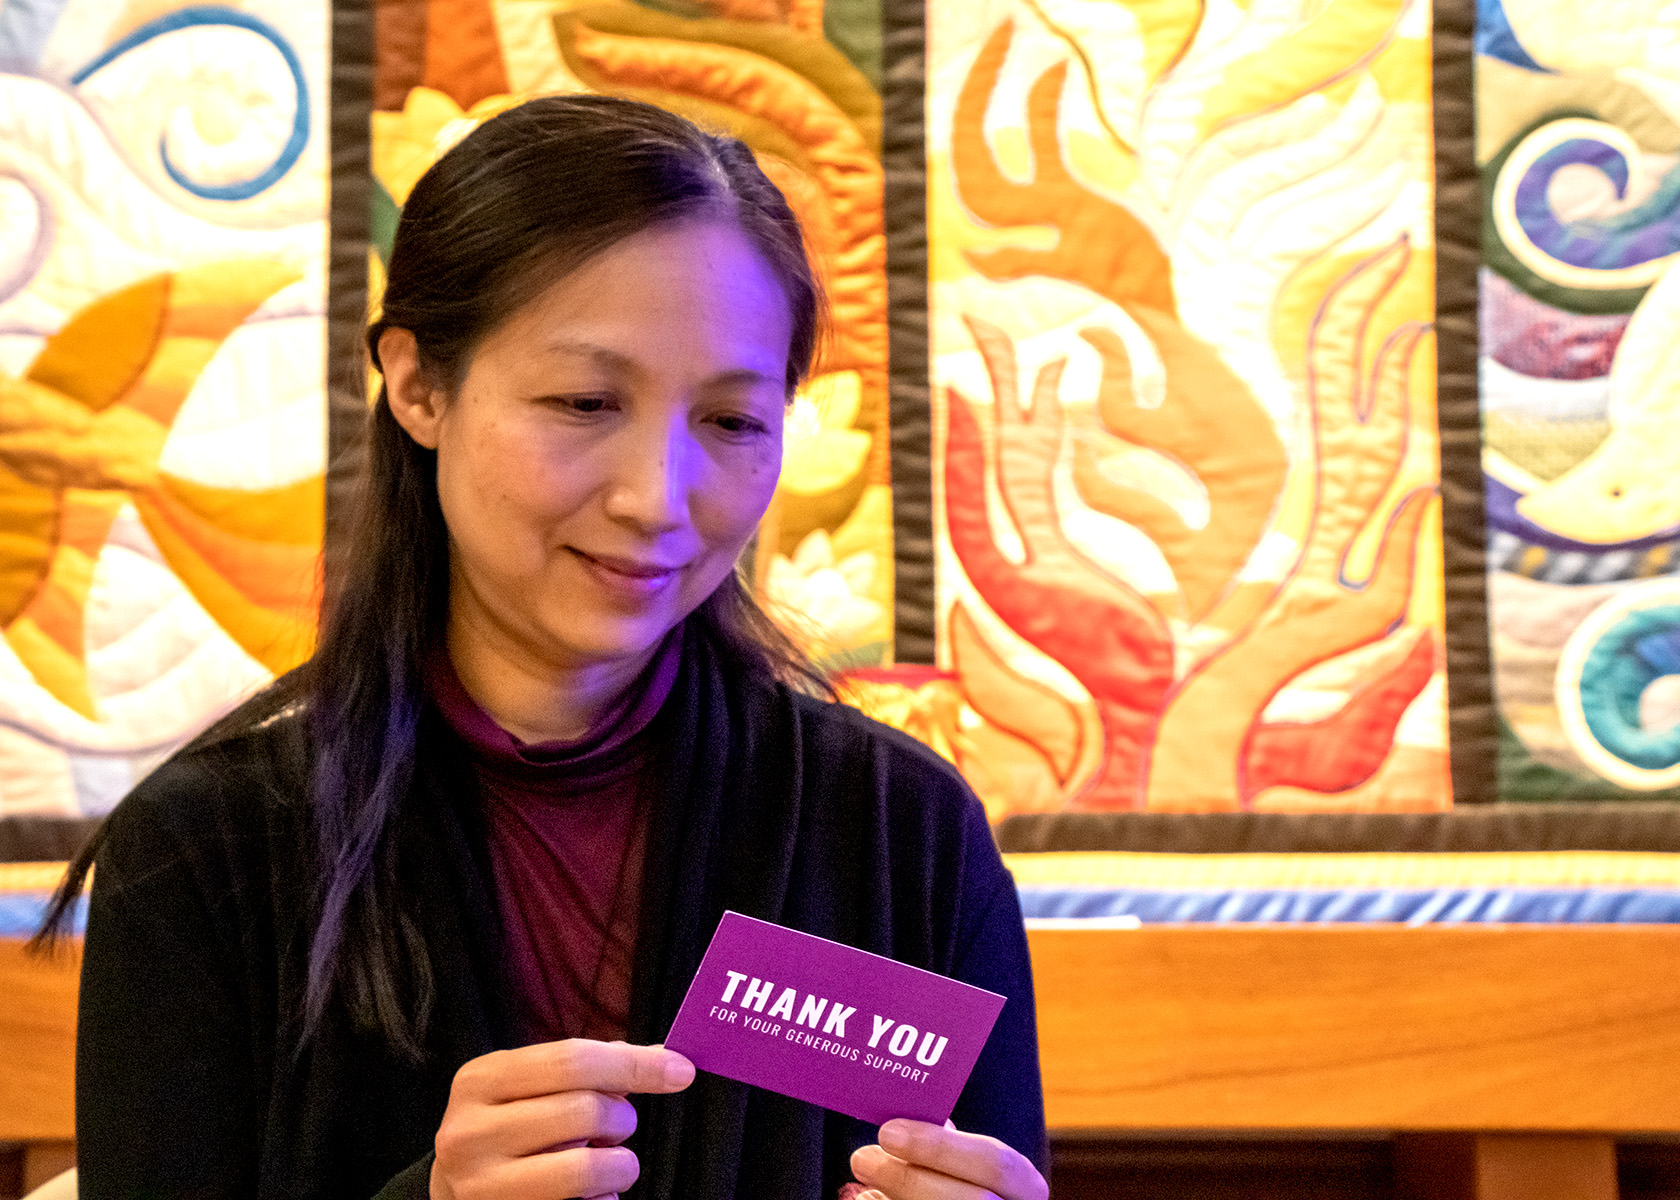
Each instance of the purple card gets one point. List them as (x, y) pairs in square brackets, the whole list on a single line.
[(842, 1028)]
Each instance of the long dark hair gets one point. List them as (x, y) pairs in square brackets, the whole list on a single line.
[(525, 198)]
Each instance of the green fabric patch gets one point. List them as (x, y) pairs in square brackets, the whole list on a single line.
[(854, 26), (1524, 779), (382, 221), (1545, 449)]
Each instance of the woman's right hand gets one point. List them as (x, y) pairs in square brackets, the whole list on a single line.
[(548, 1121)]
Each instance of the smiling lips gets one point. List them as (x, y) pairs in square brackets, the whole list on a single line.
[(627, 577)]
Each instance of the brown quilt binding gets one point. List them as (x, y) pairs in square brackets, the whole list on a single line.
[(1473, 735), (1649, 827), (347, 272), (1478, 828), (44, 839), (904, 162)]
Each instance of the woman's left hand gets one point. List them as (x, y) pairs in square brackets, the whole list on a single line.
[(919, 1161)]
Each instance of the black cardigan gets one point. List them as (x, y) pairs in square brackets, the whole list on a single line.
[(191, 1076)]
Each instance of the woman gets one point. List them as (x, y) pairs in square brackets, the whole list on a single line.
[(409, 922)]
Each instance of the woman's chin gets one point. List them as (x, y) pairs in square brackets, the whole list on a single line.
[(605, 643)]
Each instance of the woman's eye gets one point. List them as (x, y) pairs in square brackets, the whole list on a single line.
[(739, 424), (584, 404)]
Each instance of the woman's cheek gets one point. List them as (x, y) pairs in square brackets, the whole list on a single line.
[(760, 488), (768, 470)]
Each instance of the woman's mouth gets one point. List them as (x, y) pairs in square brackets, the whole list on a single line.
[(634, 579)]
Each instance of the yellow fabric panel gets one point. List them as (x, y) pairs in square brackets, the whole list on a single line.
[(57, 670), (1345, 34), (1172, 871), (52, 441), (1166, 27), (294, 515), (1520, 97), (405, 143), (806, 53), (99, 354), (813, 122), (1212, 424), (277, 641), (213, 300), (164, 384), (28, 519), (1023, 707)]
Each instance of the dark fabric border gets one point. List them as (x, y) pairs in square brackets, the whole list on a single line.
[(904, 160), (1486, 828), (1482, 828), (347, 270), (1472, 726), (44, 839)]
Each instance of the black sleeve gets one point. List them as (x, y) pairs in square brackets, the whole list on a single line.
[(1004, 1096), (165, 1102), (412, 1183)]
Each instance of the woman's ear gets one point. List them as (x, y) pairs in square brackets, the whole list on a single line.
[(415, 402)]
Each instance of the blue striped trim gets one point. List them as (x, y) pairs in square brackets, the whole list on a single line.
[(21, 913), (1413, 906)]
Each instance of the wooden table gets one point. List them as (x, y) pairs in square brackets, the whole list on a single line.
[(1509, 1059), (38, 1057)]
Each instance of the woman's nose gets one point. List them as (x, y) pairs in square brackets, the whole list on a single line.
[(652, 478)]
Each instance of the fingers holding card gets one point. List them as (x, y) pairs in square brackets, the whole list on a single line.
[(916, 1160)]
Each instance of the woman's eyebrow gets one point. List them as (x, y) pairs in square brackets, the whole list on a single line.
[(598, 354), (614, 361), (744, 375)]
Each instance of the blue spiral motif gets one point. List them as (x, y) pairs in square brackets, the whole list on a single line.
[(1641, 647), (215, 15), (1649, 231)]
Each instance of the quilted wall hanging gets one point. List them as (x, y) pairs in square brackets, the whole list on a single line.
[(800, 86), (1184, 376), (163, 235), (1580, 311), (1188, 358)]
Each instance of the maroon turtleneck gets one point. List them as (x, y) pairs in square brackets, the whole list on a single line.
[(566, 824)]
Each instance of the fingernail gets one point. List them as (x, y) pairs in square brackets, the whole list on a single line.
[(894, 1136), (871, 1194), (679, 1072), (868, 1157)]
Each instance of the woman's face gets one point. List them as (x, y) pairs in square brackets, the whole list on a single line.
[(613, 446)]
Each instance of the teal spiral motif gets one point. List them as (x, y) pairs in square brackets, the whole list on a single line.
[(1607, 665), (1640, 649)]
